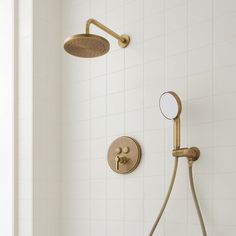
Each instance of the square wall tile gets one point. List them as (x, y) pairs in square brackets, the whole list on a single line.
[(134, 99), (136, 7), (224, 81), (154, 49), (176, 66), (152, 7), (134, 55), (200, 35), (98, 107), (223, 105), (134, 121), (133, 210), (159, 29), (225, 54), (134, 77), (98, 86), (115, 61), (176, 18), (115, 82), (115, 17), (204, 81), (223, 28), (115, 209), (199, 11), (115, 124), (200, 60), (176, 42), (200, 110), (98, 66), (224, 7), (115, 103)]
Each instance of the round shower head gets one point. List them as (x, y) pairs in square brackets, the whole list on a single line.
[(170, 105), (86, 45)]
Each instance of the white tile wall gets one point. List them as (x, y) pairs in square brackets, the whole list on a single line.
[(24, 143), (186, 46), (38, 149)]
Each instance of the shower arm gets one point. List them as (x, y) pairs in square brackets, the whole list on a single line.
[(123, 39), (192, 153)]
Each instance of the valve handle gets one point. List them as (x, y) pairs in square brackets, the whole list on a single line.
[(117, 159)]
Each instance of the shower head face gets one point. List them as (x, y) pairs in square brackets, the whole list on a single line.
[(170, 105), (86, 45)]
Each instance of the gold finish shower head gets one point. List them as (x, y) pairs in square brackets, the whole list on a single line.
[(171, 107), (90, 45), (86, 45)]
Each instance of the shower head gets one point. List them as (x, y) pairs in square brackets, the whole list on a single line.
[(170, 105), (90, 45), (86, 45)]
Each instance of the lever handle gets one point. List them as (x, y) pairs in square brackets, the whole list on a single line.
[(120, 160), (117, 159)]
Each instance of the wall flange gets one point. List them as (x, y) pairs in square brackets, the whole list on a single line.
[(192, 153)]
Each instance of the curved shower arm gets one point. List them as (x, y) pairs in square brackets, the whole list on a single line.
[(104, 28)]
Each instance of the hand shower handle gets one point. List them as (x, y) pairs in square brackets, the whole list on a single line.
[(176, 131)]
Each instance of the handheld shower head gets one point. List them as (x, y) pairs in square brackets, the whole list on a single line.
[(170, 105)]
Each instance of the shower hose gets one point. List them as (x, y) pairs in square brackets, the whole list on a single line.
[(168, 196)]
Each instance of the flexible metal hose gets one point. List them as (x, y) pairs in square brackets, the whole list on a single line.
[(196, 201), (166, 198)]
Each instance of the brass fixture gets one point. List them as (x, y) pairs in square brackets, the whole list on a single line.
[(192, 153), (171, 107), (124, 155), (120, 160), (90, 45)]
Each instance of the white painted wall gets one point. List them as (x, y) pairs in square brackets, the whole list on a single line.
[(185, 46), (46, 117), (24, 118), (6, 117), (38, 131)]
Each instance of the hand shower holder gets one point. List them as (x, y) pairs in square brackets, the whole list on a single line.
[(192, 154)]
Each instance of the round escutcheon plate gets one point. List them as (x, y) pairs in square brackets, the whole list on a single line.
[(125, 148)]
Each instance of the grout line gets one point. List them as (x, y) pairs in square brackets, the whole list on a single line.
[(165, 128), (106, 181), (90, 135), (213, 106), (143, 110), (187, 105), (124, 117)]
